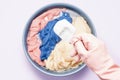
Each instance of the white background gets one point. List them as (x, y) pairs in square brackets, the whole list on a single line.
[(105, 15)]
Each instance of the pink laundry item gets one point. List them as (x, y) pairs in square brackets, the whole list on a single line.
[(33, 42), (93, 49)]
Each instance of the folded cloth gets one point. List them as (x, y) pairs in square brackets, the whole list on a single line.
[(49, 38)]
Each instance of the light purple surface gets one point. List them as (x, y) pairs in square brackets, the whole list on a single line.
[(105, 15)]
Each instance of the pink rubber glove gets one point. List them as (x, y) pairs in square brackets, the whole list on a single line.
[(94, 53)]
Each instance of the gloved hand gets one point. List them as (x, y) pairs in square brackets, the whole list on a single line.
[(86, 45), (94, 53)]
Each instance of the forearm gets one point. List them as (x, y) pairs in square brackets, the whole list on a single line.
[(103, 65)]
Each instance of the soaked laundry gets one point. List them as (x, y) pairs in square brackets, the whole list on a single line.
[(60, 59), (81, 25), (33, 41), (49, 38)]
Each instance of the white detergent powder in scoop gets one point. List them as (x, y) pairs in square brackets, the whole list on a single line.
[(64, 29)]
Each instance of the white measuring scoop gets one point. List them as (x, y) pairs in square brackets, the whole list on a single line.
[(64, 29)]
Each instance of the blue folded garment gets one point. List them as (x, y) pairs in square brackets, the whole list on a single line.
[(49, 38)]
